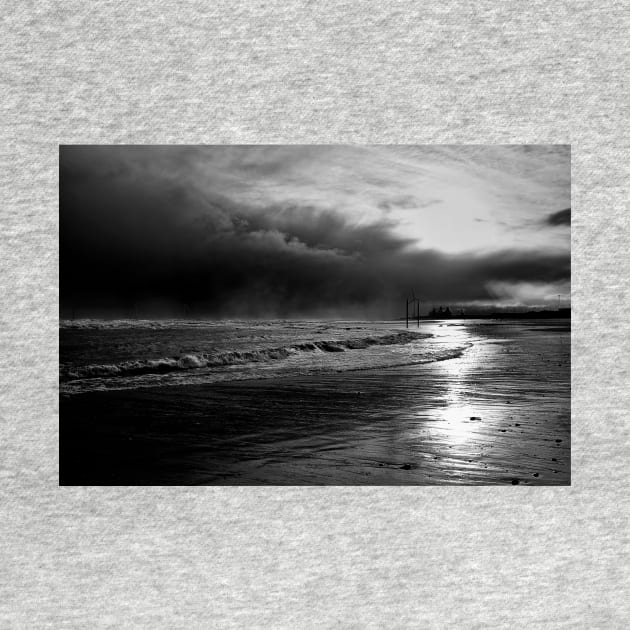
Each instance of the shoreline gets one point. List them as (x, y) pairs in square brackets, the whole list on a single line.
[(497, 414)]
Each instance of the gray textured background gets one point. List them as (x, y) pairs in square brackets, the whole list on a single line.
[(325, 72)]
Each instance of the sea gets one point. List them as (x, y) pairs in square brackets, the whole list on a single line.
[(124, 354)]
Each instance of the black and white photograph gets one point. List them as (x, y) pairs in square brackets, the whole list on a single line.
[(315, 315)]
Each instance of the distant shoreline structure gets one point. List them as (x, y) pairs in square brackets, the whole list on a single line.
[(561, 313)]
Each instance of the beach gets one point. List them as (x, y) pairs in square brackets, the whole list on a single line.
[(494, 409)]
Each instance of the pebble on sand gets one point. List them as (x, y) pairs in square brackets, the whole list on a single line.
[(515, 482)]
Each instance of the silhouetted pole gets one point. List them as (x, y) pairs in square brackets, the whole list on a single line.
[(415, 313)]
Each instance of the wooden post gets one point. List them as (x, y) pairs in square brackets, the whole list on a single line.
[(418, 312), (407, 313)]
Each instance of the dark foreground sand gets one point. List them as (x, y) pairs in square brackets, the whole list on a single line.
[(500, 414)]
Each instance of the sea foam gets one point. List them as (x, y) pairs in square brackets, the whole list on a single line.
[(193, 361)]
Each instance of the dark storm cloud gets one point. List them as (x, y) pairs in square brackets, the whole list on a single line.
[(143, 233), (563, 217)]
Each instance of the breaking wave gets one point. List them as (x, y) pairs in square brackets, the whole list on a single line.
[(193, 361)]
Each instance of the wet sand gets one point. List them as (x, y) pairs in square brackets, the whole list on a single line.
[(499, 414)]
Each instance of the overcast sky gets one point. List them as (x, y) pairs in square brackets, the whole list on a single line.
[(323, 231)]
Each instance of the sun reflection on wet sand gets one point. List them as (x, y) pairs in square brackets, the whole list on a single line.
[(458, 417), (460, 423)]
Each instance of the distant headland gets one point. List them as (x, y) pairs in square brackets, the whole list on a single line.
[(458, 313)]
